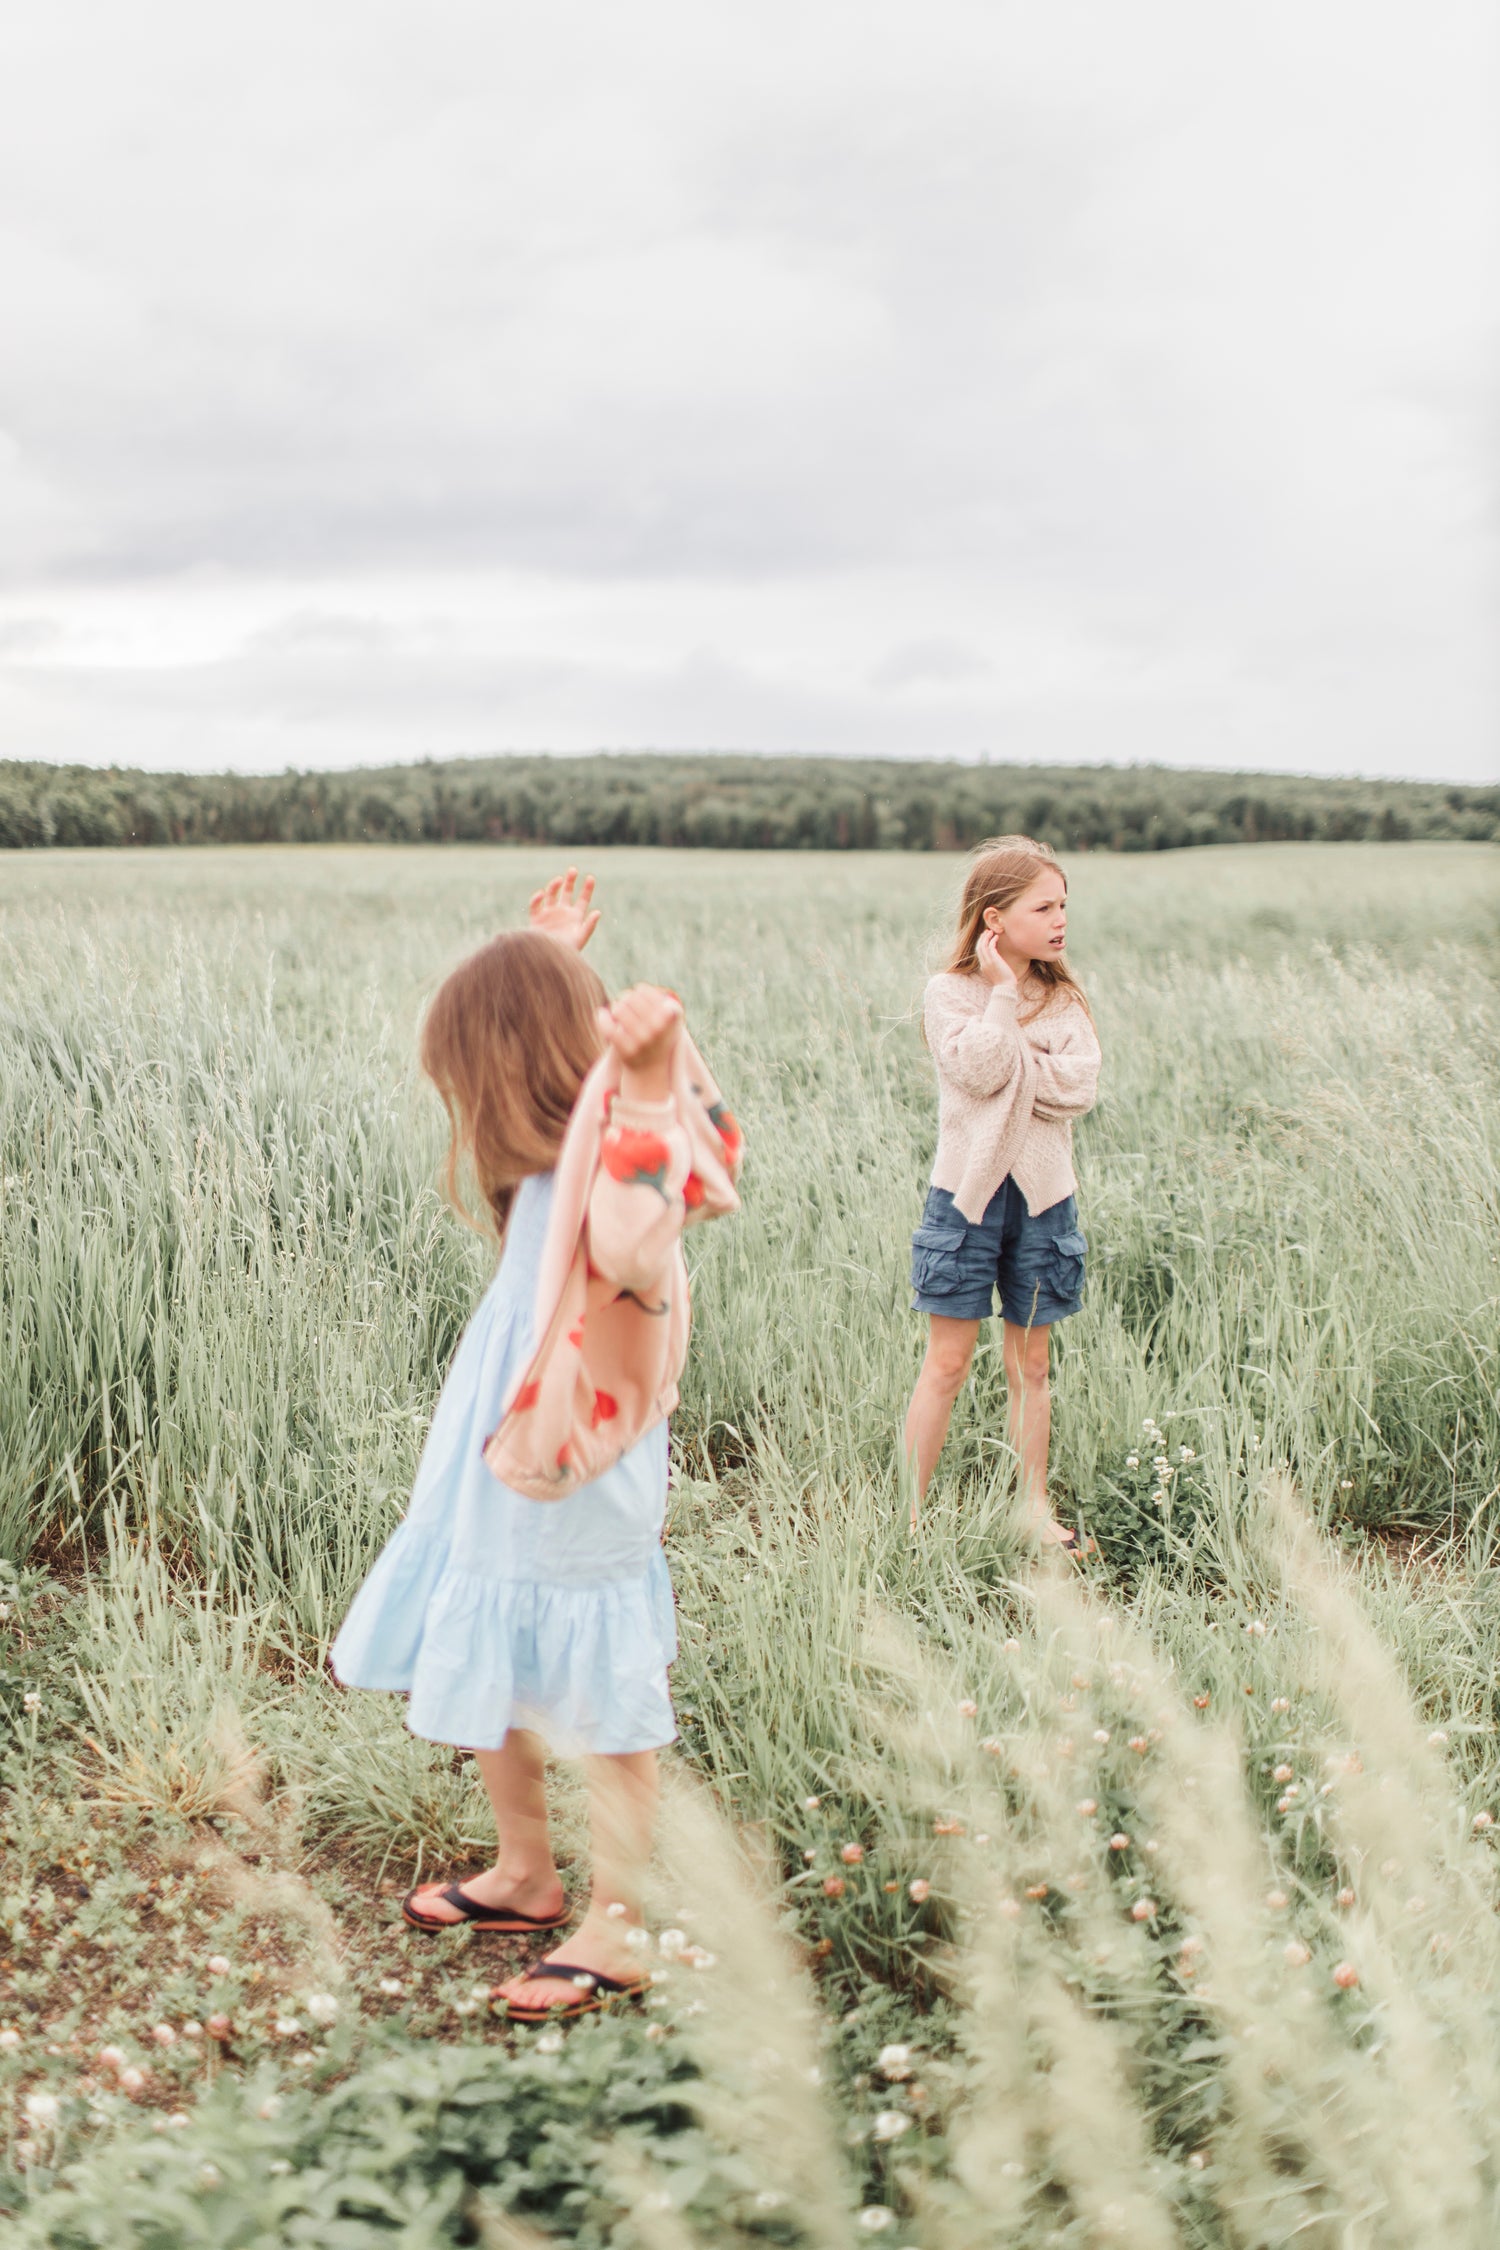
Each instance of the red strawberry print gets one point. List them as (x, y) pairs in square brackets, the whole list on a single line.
[(637, 1159), (692, 1191), (722, 1120), (526, 1396), (575, 1336), (605, 1409)]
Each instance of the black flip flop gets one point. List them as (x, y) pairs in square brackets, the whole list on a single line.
[(506, 1921), (595, 1990)]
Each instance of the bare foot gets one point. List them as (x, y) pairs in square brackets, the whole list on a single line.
[(598, 1945)]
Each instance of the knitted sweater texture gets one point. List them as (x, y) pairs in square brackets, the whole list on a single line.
[(1008, 1091)]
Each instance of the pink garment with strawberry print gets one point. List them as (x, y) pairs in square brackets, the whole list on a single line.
[(613, 1311)]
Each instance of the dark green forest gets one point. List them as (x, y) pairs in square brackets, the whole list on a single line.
[(727, 802)]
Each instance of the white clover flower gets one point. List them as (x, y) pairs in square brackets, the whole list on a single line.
[(304, 2058), (31, 1700), (637, 1939), (1132, 1460), (671, 1943), (323, 2007), (465, 2007), (191, 2030), (10, 2037), (1296, 1954), (616, 1910), (178, 2117), (769, 2199), (550, 2043), (218, 1965), (42, 2109), (163, 2034), (875, 2218), (894, 2062), (270, 2107), (889, 2125), (286, 2027), (391, 1987), (131, 2079)]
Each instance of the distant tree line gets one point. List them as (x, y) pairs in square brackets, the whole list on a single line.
[(727, 802)]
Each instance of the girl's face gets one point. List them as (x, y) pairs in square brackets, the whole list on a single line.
[(1035, 925)]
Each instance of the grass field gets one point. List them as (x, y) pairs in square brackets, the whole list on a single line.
[(1169, 1882)]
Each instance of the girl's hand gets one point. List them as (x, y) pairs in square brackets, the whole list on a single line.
[(991, 962), (643, 1026), (556, 912)]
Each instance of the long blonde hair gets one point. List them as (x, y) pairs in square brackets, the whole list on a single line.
[(1000, 870), (508, 1041)]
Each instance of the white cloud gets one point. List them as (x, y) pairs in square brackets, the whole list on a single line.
[(680, 375)]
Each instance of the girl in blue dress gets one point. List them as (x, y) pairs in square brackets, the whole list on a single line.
[(516, 1624)]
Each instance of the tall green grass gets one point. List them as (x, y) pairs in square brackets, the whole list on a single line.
[(229, 1293)]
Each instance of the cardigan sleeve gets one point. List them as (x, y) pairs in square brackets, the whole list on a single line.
[(1067, 1068), (636, 1204), (979, 1053)]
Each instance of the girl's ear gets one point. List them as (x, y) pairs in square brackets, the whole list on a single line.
[(992, 917)]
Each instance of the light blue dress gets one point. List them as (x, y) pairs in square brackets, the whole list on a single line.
[(491, 1611)]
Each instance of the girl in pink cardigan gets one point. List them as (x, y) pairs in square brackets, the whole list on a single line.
[(1017, 1061), (523, 1603)]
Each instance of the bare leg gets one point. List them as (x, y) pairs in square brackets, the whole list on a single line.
[(945, 1367), (1029, 1413), (623, 1793), (524, 1874)]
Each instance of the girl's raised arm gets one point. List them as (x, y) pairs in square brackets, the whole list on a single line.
[(982, 1053), (637, 1205), (1067, 1074)]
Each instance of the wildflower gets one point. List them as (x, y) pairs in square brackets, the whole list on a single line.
[(163, 2034), (993, 1745), (1281, 1773), (833, 1886), (1101, 1736), (919, 1891), (1285, 1804), (323, 2007), (1190, 1948), (875, 2218), (269, 2107), (671, 1944), (1186, 1453), (1132, 1460), (1346, 1896), (1346, 1976), (1276, 1900), (1281, 1704), (656, 2031), (808, 1856), (1119, 1842), (811, 1804), (288, 2027), (132, 2080), (180, 2117), (304, 2058), (852, 1854), (1437, 1738), (1256, 1629), (889, 2125), (769, 2199), (947, 1828), (1143, 1910), (1012, 1648), (1200, 1702), (42, 2109), (550, 2043), (637, 1940), (890, 1886), (1416, 1906), (616, 1910), (1139, 1745), (1009, 1907), (217, 2026), (699, 1957), (391, 1987), (1296, 1954), (1013, 2170), (1346, 1484), (1037, 1890), (10, 2037), (894, 2062), (1484, 1820), (968, 1709), (1086, 1808), (218, 1965)]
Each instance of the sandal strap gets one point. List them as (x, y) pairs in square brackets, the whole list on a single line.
[(474, 1910), (587, 1980)]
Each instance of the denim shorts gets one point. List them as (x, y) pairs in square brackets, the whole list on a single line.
[(1035, 1261)]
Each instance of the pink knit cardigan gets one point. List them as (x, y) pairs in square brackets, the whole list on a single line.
[(612, 1303), (1008, 1092)]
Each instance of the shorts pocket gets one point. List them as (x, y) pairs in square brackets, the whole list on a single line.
[(936, 1249), (1067, 1262)]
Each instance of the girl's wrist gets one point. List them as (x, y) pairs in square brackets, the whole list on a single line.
[(651, 1086)]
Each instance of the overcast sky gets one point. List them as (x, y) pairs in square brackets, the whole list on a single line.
[(1052, 381)]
